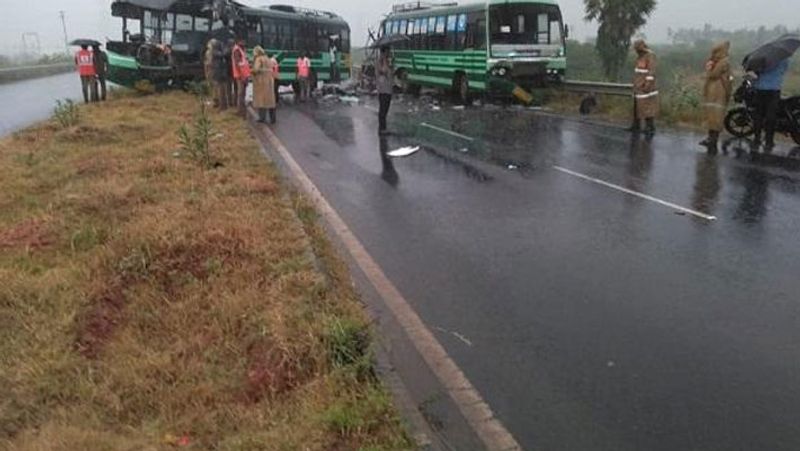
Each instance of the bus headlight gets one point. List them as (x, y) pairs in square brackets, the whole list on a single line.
[(502, 71)]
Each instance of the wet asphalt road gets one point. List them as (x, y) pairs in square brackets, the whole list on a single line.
[(589, 319), (28, 102)]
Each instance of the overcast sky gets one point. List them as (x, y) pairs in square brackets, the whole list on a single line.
[(92, 18)]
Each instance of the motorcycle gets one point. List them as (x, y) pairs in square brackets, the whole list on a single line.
[(740, 121)]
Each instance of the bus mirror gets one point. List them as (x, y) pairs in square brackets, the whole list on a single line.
[(566, 31)]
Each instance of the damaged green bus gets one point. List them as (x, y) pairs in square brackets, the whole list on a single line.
[(163, 41), (490, 46)]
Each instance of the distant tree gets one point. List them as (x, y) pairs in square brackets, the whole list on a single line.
[(619, 20), (5, 61)]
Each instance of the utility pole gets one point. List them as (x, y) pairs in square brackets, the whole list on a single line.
[(64, 27)]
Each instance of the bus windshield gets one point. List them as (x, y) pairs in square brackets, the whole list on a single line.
[(525, 25)]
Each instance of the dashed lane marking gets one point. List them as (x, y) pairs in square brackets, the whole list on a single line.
[(447, 132), (631, 192)]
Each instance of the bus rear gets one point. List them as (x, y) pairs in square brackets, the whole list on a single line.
[(526, 42)]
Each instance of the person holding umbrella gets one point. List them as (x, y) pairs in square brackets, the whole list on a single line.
[(101, 69), (84, 60), (769, 64)]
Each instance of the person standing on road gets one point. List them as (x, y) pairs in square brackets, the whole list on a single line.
[(304, 76), (101, 69), (221, 70), (263, 86), (768, 87), (241, 74), (276, 72), (208, 69), (717, 92), (84, 60), (645, 90), (385, 84)]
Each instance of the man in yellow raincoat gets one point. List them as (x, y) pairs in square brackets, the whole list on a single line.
[(645, 89), (717, 92)]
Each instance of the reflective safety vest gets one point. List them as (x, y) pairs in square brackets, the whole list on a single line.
[(85, 61), (241, 66), (276, 68), (303, 67)]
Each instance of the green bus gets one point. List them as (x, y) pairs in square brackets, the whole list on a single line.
[(492, 46), (163, 41)]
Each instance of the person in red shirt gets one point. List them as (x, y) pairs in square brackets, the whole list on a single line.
[(84, 60), (241, 74), (304, 76)]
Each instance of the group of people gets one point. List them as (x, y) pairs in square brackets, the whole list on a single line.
[(229, 72), (92, 67), (717, 93)]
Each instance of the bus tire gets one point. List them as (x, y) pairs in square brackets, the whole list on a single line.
[(461, 89), (413, 89), (401, 80)]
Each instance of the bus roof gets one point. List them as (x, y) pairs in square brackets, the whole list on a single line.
[(419, 9), (295, 13)]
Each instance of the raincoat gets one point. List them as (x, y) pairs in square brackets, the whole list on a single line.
[(263, 80), (645, 89), (208, 59), (718, 87)]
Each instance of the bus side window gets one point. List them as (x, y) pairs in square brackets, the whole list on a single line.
[(268, 27), (480, 34), (254, 35), (202, 24), (345, 45)]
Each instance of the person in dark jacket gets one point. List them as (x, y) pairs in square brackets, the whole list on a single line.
[(385, 83), (220, 68), (768, 87), (101, 69)]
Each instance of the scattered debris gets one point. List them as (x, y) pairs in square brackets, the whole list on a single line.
[(459, 107), (403, 152), (513, 167), (463, 150), (349, 99), (457, 335)]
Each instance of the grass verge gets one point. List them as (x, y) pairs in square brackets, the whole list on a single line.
[(147, 302)]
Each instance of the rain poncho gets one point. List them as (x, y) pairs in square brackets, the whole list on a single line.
[(718, 87), (263, 80), (645, 89)]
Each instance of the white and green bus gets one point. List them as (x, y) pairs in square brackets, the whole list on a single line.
[(491, 46)]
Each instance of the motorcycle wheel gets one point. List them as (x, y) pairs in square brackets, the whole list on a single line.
[(739, 123), (795, 128)]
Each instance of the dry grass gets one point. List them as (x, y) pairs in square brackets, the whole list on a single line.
[(146, 303)]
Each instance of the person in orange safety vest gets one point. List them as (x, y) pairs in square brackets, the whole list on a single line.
[(84, 60), (241, 74)]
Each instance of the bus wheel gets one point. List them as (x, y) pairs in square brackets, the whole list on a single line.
[(401, 80), (461, 89)]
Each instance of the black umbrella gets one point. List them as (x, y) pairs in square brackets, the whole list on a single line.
[(770, 55), (390, 41), (86, 42)]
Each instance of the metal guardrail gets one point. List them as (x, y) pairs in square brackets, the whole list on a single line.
[(596, 87), (9, 70)]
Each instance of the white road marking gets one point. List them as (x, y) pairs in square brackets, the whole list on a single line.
[(475, 410), (664, 203), (459, 336), (448, 132)]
